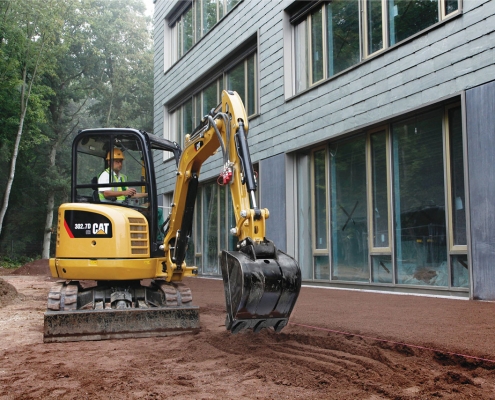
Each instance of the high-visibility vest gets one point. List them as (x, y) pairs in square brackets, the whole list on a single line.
[(121, 178)]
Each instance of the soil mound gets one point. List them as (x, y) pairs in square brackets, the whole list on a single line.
[(36, 267), (8, 293)]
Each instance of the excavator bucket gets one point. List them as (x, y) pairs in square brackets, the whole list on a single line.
[(261, 288)]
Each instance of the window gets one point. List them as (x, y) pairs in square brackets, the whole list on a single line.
[(387, 206), (242, 78), (191, 20), (420, 220), (213, 218), (331, 36), (349, 218)]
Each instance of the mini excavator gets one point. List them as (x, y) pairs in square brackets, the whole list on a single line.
[(121, 263)]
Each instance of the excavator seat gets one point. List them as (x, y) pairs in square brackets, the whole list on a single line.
[(96, 194)]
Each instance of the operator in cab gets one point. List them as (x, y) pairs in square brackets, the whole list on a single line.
[(116, 193)]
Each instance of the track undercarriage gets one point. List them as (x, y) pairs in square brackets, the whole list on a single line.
[(82, 310)]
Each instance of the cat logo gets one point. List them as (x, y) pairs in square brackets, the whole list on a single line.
[(100, 228)]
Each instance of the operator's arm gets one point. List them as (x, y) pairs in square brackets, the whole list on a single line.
[(116, 193)]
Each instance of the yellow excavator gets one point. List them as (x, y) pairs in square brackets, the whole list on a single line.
[(121, 263)]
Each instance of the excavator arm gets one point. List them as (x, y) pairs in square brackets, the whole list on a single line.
[(261, 282)]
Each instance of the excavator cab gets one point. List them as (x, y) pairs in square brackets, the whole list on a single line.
[(97, 151)]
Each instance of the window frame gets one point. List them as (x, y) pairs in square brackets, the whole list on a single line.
[(298, 13), (386, 250), (456, 256), (453, 249), (326, 249), (175, 21)]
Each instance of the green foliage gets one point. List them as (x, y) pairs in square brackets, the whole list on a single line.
[(14, 262), (94, 67), (125, 97)]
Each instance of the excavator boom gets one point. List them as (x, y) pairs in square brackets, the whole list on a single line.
[(261, 282)]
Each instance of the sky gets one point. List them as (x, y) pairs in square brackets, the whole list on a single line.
[(149, 7)]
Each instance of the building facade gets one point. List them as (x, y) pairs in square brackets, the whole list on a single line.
[(372, 130)]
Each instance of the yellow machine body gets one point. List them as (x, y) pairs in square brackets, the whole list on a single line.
[(117, 242)]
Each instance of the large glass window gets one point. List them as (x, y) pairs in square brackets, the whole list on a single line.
[(342, 35), (407, 17), (394, 200), (419, 201), (317, 46), (349, 215), (304, 212), (213, 219), (457, 177), (197, 20), (328, 40), (379, 189), (374, 25), (321, 259), (242, 78)]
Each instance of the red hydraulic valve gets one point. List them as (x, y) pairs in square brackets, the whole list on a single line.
[(225, 176)]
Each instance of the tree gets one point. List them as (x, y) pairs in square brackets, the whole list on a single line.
[(123, 38), (63, 62), (29, 27)]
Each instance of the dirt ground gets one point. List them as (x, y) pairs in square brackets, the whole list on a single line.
[(339, 345)]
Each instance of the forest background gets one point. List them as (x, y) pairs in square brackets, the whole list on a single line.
[(65, 65)]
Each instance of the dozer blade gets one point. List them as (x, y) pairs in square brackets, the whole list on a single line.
[(259, 292), (116, 310)]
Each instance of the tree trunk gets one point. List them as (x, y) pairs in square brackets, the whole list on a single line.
[(48, 226), (50, 205), (8, 188)]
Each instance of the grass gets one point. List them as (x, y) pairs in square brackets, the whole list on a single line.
[(14, 262)]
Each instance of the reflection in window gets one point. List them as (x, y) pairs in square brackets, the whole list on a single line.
[(407, 17), (198, 20), (349, 216), (382, 269), (322, 267), (213, 218), (317, 45), (330, 39), (374, 24), (342, 35), (210, 229), (236, 80), (460, 271), (301, 61), (451, 6), (320, 191), (421, 252), (304, 212), (187, 120), (209, 15), (187, 32), (242, 79), (457, 177), (210, 98), (379, 189), (251, 85)]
